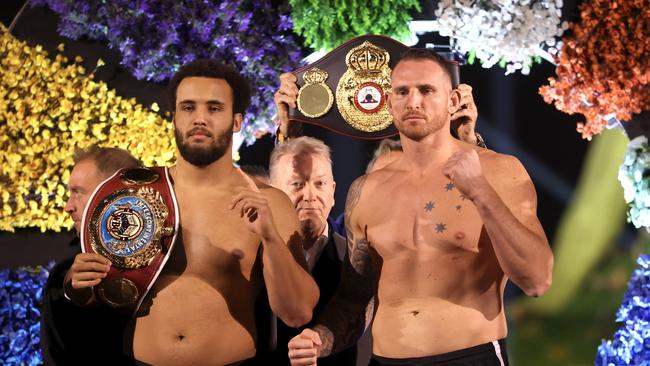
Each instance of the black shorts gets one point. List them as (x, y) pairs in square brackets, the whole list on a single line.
[(488, 354)]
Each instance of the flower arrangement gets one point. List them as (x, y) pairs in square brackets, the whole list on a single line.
[(327, 24), (21, 292), (634, 175), (603, 68), (510, 33), (49, 107), (630, 344), (155, 37)]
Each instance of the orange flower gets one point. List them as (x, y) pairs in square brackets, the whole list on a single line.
[(603, 67)]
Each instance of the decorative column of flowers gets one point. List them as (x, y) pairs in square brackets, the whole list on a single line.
[(48, 107), (603, 67), (630, 344), (328, 23), (155, 37), (510, 33), (21, 292)]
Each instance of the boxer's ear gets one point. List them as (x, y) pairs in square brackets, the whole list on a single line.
[(454, 101)]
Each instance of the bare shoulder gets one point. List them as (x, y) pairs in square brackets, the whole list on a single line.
[(508, 177), (381, 178), (275, 197), (503, 166), (284, 214)]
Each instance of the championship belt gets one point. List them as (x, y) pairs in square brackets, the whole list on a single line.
[(345, 91), (132, 219)]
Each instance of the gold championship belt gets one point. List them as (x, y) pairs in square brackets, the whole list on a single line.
[(359, 72), (131, 219)]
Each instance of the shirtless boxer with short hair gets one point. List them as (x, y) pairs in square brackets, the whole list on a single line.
[(434, 235)]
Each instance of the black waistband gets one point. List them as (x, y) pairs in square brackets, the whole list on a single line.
[(468, 354)]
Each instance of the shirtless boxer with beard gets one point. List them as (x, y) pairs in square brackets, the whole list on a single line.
[(237, 235)]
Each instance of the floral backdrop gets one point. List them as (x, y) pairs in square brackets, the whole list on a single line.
[(50, 104)]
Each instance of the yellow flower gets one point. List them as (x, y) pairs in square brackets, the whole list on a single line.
[(48, 108)]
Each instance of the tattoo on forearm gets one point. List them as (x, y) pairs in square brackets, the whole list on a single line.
[(327, 337), (345, 315), (343, 321)]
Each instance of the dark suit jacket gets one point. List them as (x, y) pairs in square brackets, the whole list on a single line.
[(72, 335), (327, 274)]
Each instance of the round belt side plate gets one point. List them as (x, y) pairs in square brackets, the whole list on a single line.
[(315, 98)]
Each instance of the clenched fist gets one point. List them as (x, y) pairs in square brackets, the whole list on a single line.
[(463, 168), (305, 348)]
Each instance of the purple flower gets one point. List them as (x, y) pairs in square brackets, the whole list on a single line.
[(155, 36), (20, 297)]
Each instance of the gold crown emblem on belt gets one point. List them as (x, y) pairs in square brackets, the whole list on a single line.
[(361, 91), (367, 58)]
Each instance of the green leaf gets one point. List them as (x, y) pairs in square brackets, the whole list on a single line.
[(471, 57)]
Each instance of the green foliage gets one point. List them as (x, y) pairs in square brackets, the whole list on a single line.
[(571, 335), (326, 24)]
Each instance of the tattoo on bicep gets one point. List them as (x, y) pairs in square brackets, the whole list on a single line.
[(354, 193), (360, 258)]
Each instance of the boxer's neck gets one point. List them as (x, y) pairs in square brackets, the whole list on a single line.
[(431, 151), (219, 172)]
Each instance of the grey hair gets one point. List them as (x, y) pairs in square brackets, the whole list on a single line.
[(300, 145), (107, 159)]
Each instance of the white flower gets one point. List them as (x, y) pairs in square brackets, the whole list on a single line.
[(636, 184), (510, 31), (638, 142)]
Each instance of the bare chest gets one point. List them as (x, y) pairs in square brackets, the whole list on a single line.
[(213, 237), (432, 217)]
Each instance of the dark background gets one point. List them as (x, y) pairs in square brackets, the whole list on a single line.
[(513, 119)]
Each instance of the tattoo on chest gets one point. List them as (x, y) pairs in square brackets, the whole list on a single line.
[(429, 206), (441, 227), (449, 186)]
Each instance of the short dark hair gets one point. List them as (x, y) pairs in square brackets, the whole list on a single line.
[(423, 54), (107, 159), (211, 68)]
